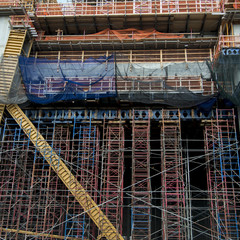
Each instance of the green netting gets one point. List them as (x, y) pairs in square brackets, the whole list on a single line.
[(226, 72)]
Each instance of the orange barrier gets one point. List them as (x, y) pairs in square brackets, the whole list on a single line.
[(127, 7), (229, 41), (126, 34)]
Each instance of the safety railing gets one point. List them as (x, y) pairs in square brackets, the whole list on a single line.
[(14, 3), (120, 35), (57, 85), (136, 56), (230, 4), (227, 41), (194, 84), (27, 4), (21, 20), (127, 7)]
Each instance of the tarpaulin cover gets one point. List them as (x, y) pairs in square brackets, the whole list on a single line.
[(226, 72), (48, 81)]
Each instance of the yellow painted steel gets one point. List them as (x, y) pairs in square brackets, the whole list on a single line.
[(90, 207), (36, 234), (15, 42), (12, 50), (8, 67), (2, 107)]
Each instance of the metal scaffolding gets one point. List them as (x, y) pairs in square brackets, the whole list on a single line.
[(36, 193), (222, 158), (84, 163), (35, 202), (173, 188), (112, 190), (141, 184)]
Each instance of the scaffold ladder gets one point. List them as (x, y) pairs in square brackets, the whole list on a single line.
[(222, 173), (113, 169), (141, 184), (88, 205), (9, 64), (173, 187)]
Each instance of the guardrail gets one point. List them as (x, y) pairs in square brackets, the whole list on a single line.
[(15, 3), (135, 56), (227, 41), (127, 7), (192, 83), (120, 35), (230, 4)]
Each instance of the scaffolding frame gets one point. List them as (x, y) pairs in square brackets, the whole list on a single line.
[(141, 183), (221, 147), (173, 187), (36, 190), (85, 161), (113, 166)]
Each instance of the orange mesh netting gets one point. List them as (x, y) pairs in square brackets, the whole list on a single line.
[(125, 34)]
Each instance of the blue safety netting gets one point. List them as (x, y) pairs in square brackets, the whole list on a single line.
[(48, 81)]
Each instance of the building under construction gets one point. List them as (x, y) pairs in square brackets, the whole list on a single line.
[(119, 119)]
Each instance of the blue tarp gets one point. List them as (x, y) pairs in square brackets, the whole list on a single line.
[(48, 81)]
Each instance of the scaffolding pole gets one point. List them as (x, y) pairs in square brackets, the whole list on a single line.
[(222, 159), (141, 185), (84, 162), (173, 188), (112, 191)]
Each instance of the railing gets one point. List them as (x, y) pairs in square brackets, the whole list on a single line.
[(194, 84), (230, 4), (128, 7), (227, 41), (120, 35), (21, 20), (15, 3), (172, 84), (27, 4), (135, 56), (82, 85)]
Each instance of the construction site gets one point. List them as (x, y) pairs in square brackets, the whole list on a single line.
[(119, 119)]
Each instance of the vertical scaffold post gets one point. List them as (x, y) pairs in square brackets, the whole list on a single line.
[(173, 188), (84, 161), (141, 185), (112, 191), (13, 180), (221, 148)]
